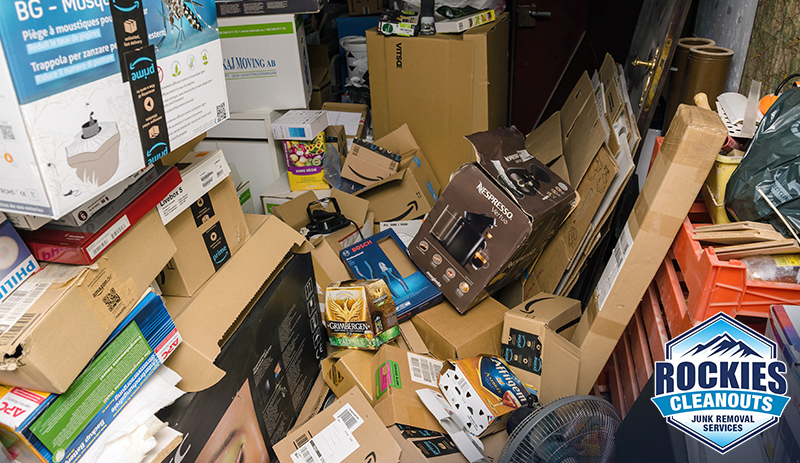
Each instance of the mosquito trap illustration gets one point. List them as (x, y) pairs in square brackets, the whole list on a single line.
[(95, 152), (464, 237)]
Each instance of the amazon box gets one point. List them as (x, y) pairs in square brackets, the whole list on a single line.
[(689, 150), (258, 319), (208, 233), (492, 221), (426, 446), (349, 431), (367, 163), (411, 192), (536, 344), (389, 380), (450, 335), (78, 307)]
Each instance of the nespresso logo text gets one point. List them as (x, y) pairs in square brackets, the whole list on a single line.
[(496, 202)]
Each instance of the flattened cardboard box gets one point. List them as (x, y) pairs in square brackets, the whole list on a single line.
[(449, 334), (208, 233), (689, 150), (79, 307), (469, 71), (270, 355), (536, 344), (412, 191), (349, 431)]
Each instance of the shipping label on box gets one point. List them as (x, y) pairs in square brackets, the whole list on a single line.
[(200, 172), (114, 104)]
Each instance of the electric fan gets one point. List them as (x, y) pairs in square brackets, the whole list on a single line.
[(577, 429)]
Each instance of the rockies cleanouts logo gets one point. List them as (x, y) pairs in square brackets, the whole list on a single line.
[(721, 383)]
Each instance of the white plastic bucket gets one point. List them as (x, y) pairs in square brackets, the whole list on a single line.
[(355, 52)]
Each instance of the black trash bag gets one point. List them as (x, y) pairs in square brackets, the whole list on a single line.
[(771, 165)]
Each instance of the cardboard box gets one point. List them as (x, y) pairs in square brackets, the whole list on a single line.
[(104, 124), (689, 150), (24, 406), (545, 143), (463, 23), (16, 261), (349, 431), (454, 424), (266, 62), (469, 71), (410, 339), (493, 222), (383, 255), (200, 171), (233, 8), (68, 246), (299, 125), (79, 307), (304, 163), (315, 402), (207, 235), (563, 248), (450, 335), (328, 267), (536, 344), (354, 117), (346, 369), (364, 7), (423, 446), (70, 425), (321, 89), (412, 191), (258, 319), (367, 163)]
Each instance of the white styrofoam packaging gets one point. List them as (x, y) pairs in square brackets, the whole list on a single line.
[(300, 125), (200, 172), (84, 107), (16, 261), (266, 62)]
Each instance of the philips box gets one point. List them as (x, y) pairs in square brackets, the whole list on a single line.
[(94, 91), (384, 256), (266, 62), (16, 261)]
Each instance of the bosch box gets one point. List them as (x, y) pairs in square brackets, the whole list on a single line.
[(384, 256)]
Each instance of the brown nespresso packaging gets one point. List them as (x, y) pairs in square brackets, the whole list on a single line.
[(492, 221), (360, 314)]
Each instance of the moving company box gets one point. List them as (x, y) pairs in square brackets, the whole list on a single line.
[(493, 222), (231, 8), (687, 155), (412, 191), (349, 431), (266, 62), (16, 261), (208, 233), (450, 335), (469, 71), (536, 344), (100, 124), (251, 351), (79, 307)]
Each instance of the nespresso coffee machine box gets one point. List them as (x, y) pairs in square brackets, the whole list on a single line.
[(492, 221)]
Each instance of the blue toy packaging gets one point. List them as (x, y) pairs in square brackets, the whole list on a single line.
[(383, 255)]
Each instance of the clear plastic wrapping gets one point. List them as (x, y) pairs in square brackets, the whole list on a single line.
[(783, 268)]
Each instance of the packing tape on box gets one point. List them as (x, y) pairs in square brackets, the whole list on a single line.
[(677, 150), (660, 224)]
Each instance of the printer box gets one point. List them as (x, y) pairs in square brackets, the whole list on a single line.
[(536, 344), (93, 94), (383, 256), (16, 261), (207, 234), (271, 351), (266, 62), (493, 222)]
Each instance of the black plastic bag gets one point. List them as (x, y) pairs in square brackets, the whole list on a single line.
[(772, 166)]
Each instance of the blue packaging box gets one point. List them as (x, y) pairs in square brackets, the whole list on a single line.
[(369, 260), (16, 261)]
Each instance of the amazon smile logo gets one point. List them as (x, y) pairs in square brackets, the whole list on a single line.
[(412, 206)]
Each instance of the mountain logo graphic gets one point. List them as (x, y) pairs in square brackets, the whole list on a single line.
[(723, 345)]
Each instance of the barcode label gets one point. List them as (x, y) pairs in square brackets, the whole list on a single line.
[(17, 303), (424, 370), (613, 267), (331, 445), (305, 453), (300, 441), (6, 132), (349, 417), (206, 178), (108, 237)]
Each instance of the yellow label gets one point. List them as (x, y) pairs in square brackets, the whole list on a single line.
[(787, 260)]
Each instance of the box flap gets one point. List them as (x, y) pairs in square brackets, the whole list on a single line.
[(346, 369), (204, 318), (559, 313), (582, 140), (578, 97), (294, 213)]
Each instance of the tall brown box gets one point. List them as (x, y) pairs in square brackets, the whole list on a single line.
[(444, 86), (208, 233)]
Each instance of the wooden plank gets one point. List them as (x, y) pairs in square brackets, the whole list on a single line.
[(630, 386), (640, 348), (654, 323), (615, 384)]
